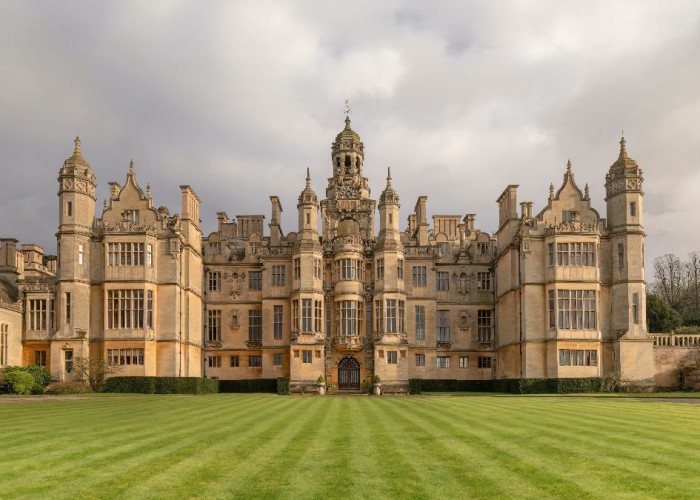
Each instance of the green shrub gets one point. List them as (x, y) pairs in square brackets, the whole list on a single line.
[(163, 385), (40, 377), (251, 385), (67, 388), (282, 386), (415, 385), (19, 381)]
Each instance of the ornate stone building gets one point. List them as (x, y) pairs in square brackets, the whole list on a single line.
[(346, 296)]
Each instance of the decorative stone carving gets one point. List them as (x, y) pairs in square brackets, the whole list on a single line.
[(233, 324)]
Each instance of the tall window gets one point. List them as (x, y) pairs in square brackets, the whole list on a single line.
[(295, 315), (278, 322), (214, 361), (255, 325), (576, 309), (552, 310), (380, 269), (443, 326), (368, 318), (318, 268), (463, 362), (149, 309), (297, 268), (399, 269), (214, 281), (52, 309), (550, 254), (392, 357), (215, 248), (37, 314), (214, 325), (420, 359), (483, 281), (402, 316), (306, 315), (635, 308), (277, 359), (40, 358), (80, 254), (125, 254), (484, 325), (318, 315), (4, 344), (125, 309), (348, 269), (419, 276), (306, 356), (149, 255), (391, 315), (420, 322), (620, 254), (278, 276), (443, 280), (235, 362), (255, 280), (348, 315), (443, 361), (378, 316), (68, 308)]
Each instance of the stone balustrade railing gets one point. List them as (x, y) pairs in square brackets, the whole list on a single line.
[(676, 339)]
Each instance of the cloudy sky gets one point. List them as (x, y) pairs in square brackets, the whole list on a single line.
[(459, 98)]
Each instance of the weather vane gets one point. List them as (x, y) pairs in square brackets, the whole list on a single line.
[(346, 107)]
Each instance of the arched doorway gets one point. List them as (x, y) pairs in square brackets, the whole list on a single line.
[(348, 374)]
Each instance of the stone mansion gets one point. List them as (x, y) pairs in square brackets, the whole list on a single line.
[(348, 295)]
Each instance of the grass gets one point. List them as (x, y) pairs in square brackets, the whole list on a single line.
[(267, 446)]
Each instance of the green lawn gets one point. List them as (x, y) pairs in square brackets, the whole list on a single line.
[(271, 446)]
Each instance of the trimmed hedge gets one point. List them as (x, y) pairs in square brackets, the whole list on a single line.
[(283, 386), (511, 386), (163, 385), (249, 385)]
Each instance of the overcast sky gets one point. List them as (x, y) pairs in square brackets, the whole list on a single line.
[(460, 98)]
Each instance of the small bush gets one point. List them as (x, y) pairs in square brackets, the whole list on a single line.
[(67, 388), (163, 385), (39, 374), (282, 386)]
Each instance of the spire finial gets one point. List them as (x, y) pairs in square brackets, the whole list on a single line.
[(77, 145), (104, 204), (131, 166), (388, 176), (148, 189), (623, 148), (551, 190), (568, 165), (308, 177), (585, 192)]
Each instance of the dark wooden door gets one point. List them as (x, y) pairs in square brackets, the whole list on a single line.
[(348, 374)]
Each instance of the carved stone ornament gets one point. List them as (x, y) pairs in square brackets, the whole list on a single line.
[(462, 282), (233, 324)]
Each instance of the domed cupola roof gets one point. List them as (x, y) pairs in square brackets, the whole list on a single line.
[(308, 196), (389, 195), (347, 140), (624, 164), (76, 159)]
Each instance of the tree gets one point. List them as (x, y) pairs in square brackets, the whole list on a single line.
[(93, 371), (660, 317), (671, 280)]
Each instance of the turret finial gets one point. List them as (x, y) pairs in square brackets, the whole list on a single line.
[(148, 189), (623, 148), (77, 145), (388, 176), (551, 190), (568, 165), (585, 192), (131, 166), (308, 177)]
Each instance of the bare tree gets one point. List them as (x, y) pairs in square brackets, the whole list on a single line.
[(693, 284), (671, 280), (93, 371)]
